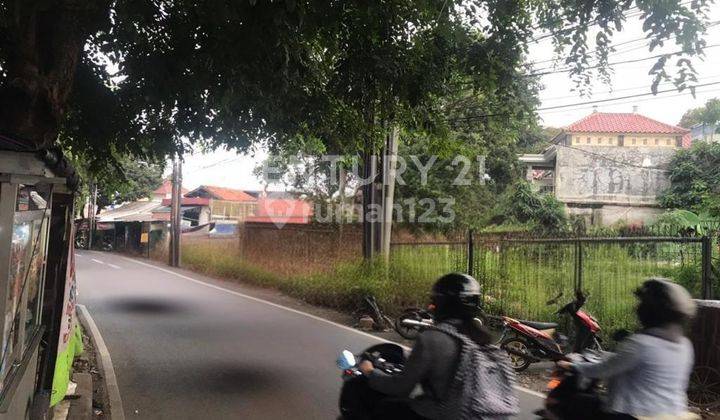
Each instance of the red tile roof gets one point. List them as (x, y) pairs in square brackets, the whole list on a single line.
[(282, 210), (166, 188), (188, 201), (222, 193), (604, 122)]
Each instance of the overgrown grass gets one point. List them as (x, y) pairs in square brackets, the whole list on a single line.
[(517, 280), (395, 286)]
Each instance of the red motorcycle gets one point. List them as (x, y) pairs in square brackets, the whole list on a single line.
[(529, 342)]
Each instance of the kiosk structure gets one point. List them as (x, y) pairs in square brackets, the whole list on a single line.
[(39, 335)]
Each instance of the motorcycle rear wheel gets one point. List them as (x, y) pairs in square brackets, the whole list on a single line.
[(408, 332), (518, 345)]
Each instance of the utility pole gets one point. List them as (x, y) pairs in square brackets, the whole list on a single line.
[(369, 198), (92, 211), (175, 213), (388, 198)]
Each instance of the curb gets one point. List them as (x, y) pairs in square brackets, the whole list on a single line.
[(115, 410)]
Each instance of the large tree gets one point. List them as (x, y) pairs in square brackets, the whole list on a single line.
[(695, 180), (118, 77), (708, 114)]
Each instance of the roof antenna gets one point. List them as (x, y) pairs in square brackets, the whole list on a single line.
[(635, 109)]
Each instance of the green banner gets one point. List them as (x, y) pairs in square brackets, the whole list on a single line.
[(70, 341), (63, 366)]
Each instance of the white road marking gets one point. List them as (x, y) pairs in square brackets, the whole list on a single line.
[(117, 267), (77, 254), (113, 390), (315, 317), (97, 261)]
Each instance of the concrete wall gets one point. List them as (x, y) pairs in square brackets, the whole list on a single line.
[(623, 176), (607, 215)]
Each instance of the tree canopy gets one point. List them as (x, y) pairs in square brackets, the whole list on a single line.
[(695, 180), (708, 114), (127, 179), (150, 77)]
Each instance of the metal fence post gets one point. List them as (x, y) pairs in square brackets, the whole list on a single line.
[(470, 253), (707, 286), (580, 266)]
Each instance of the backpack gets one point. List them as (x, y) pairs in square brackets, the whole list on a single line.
[(482, 387)]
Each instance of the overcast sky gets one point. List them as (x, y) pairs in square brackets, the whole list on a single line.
[(227, 168)]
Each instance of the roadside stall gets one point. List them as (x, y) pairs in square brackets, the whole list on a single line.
[(39, 336)]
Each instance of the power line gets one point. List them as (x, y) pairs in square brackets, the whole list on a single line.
[(220, 162), (594, 22), (636, 60), (481, 116), (597, 101), (644, 86), (645, 45), (574, 27), (634, 101)]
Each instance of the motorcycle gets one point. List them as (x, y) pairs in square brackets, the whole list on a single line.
[(414, 320), (106, 245), (569, 395), (529, 342), (357, 399)]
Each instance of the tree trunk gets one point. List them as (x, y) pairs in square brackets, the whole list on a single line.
[(42, 44)]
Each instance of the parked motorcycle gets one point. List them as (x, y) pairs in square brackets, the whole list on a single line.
[(357, 399), (106, 244), (530, 341), (414, 320)]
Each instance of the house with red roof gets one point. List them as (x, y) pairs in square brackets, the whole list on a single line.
[(609, 167), (281, 211), (165, 191), (208, 203)]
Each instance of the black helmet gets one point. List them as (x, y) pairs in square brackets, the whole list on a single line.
[(663, 302), (456, 295)]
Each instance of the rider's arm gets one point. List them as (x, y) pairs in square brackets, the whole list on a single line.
[(625, 358), (416, 367)]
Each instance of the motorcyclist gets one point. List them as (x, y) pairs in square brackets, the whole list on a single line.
[(648, 374), (434, 358)]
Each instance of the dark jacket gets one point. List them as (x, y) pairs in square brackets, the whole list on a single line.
[(431, 365)]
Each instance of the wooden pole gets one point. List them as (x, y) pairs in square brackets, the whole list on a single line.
[(175, 214)]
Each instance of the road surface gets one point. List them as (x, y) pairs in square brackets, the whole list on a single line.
[(187, 347)]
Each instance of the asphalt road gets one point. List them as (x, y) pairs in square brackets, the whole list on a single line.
[(184, 347)]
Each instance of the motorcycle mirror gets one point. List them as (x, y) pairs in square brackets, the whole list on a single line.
[(346, 360), (554, 300)]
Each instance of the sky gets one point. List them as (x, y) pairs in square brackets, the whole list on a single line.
[(228, 169)]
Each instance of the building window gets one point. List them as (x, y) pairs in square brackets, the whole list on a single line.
[(645, 141), (634, 141), (668, 142), (587, 140), (600, 140)]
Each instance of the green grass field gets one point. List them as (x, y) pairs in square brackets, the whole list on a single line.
[(517, 280)]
